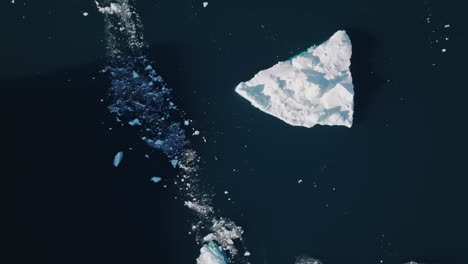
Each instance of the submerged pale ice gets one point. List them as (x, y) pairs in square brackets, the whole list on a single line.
[(211, 253), (312, 88)]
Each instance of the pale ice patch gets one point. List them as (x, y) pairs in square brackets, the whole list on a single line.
[(312, 88), (134, 122), (118, 158), (156, 179)]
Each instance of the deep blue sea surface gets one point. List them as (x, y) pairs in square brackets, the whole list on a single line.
[(391, 189)]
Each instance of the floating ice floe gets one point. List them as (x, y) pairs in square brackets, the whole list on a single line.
[(313, 88), (205, 4), (211, 253), (174, 163), (156, 179), (134, 122), (118, 158), (85, 14)]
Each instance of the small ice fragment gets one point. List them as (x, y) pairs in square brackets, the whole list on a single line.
[(299, 181), (226, 192), (196, 133), (174, 163), (147, 156), (135, 75), (159, 142), (156, 179), (205, 4), (135, 122), (148, 68), (118, 158), (444, 50), (247, 253), (186, 122), (447, 26), (85, 13), (12, 1)]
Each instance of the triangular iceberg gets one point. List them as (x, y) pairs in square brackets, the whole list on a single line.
[(312, 88)]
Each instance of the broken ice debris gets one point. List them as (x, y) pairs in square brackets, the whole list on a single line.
[(118, 158), (174, 163), (205, 4), (113, 8), (313, 88), (156, 179)]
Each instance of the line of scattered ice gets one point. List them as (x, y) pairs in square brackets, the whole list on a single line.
[(140, 98)]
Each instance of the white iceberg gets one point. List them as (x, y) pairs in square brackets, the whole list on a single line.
[(211, 253), (312, 88), (118, 158)]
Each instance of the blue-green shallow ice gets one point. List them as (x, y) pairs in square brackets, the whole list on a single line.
[(211, 253)]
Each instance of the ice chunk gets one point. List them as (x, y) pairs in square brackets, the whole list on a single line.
[(113, 8), (312, 88), (247, 253), (205, 4), (135, 122), (174, 163), (211, 253), (156, 179), (85, 14), (118, 158)]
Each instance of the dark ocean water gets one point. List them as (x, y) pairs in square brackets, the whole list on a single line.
[(393, 188)]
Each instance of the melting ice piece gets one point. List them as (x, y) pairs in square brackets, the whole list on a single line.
[(312, 88), (211, 253), (118, 158), (174, 163), (156, 179), (205, 4)]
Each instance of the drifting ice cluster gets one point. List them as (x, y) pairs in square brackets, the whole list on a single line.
[(312, 88)]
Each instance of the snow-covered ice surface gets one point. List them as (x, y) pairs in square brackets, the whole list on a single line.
[(211, 253), (312, 88), (140, 98)]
